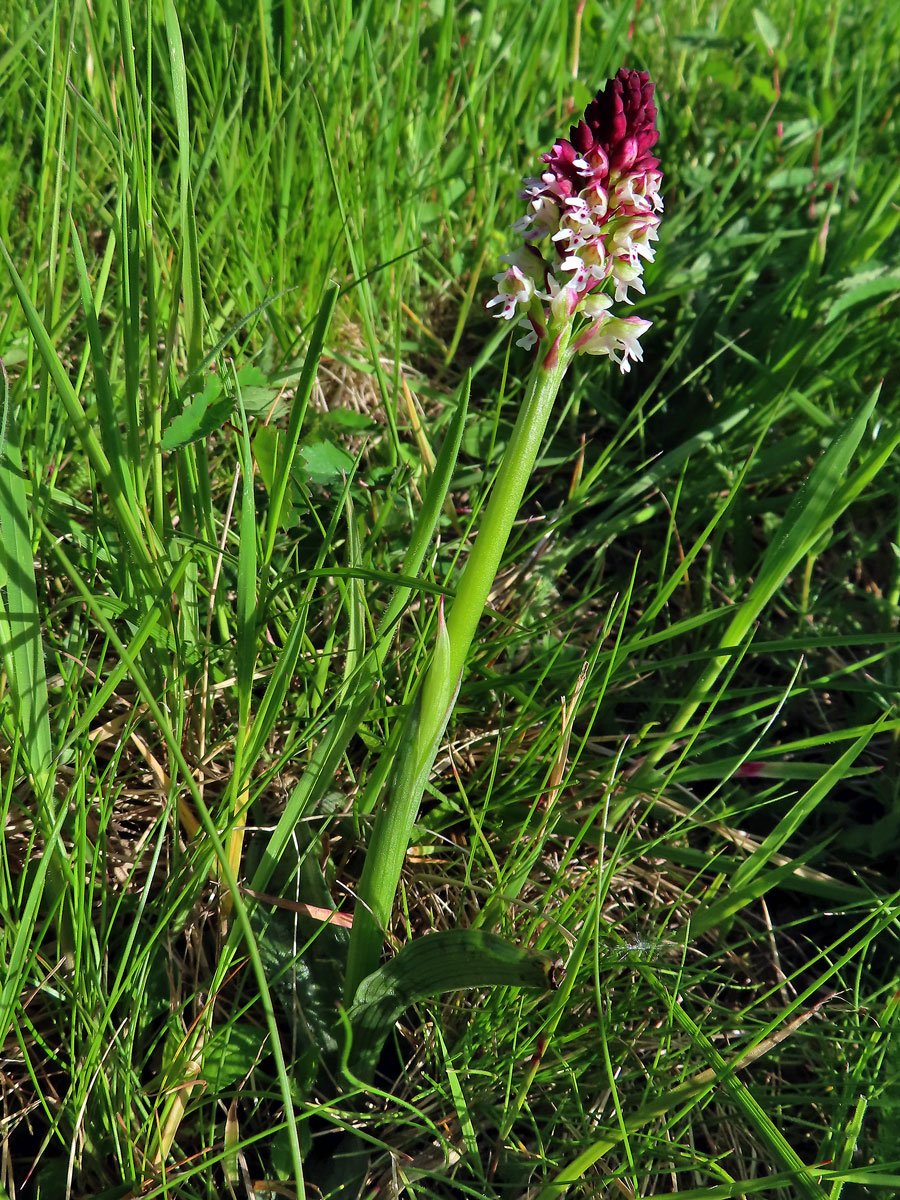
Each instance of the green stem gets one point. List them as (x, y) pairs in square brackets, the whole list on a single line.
[(437, 691), (515, 471)]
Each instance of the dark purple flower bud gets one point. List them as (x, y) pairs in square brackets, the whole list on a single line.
[(622, 120)]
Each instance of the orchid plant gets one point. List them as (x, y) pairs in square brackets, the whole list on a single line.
[(592, 217)]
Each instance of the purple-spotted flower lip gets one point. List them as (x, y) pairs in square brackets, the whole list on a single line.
[(592, 216)]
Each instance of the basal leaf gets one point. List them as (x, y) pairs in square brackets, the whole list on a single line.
[(428, 966)]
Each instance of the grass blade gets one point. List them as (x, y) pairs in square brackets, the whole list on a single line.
[(811, 514)]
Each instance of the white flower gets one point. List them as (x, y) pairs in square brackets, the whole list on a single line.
[(595, 305), (616, 336), (530, 338), (626, 276), (515, 287)]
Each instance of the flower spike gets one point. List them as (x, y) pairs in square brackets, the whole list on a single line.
[(593, 214)]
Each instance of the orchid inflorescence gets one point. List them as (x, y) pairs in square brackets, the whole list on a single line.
[(596, 210)]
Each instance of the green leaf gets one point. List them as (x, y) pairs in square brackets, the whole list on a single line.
[(265, 452), (766, 30), (812, 512), (763, 88), (259, 397), (788, 825), (207, 411), (230, 1055), (791, 179), (21, 637), (439, 962), (266, 443), (325, 462), (867, 289), (192, 290), (345, 418)]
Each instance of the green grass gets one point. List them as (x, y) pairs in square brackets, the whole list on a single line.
[(246, 253)]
